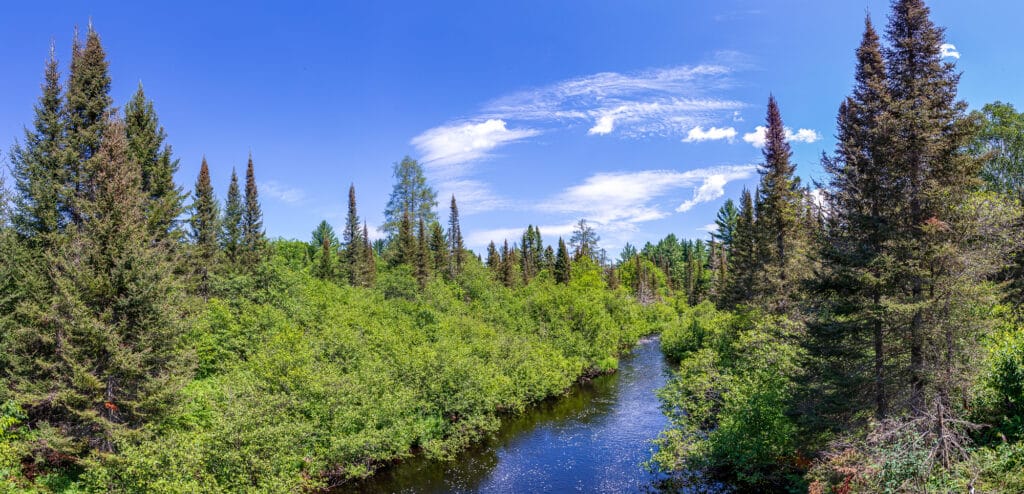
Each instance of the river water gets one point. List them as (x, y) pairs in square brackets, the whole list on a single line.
[(593, 439)]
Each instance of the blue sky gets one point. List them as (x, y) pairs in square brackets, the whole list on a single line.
[(639, 116)]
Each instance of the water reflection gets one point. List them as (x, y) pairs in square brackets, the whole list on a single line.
[(591, 440)]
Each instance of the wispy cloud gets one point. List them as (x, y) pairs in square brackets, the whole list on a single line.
[(473, 196), (710, 227), (698, 134), (447, 147), (281, 192), (757, 137), (949, 50)]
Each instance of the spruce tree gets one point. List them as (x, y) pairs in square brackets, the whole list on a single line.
[(781, 241), (325, 263), (456, 246), (322, 231), (530, 264), (38, 164), (423, 258), (114, 315), (493, 258), (506, 266), (726, 220), (88, 107), (743, 261), (438, 249), (563, 267), (146, 146), (352, 242), (403, 247), (231, 224), (204, 223), (368, 269), (253, 238)]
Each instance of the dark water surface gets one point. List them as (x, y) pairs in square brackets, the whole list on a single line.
[(591, 440)]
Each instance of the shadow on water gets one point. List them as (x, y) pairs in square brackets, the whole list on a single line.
[(593, 439)]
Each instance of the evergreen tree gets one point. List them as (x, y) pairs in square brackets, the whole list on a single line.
[(325, 265), (231, 224), (455, 243), (743, 260), (38, 164), (403, 248), (323, 231), (439, 249), (506, 266), (204, 223), (146, 146), (88, 107), (531, 256), (781, 241), (549, 258), (493, 258), (563, 268), (726, 220), (352, 256), (253, 238), (368, 273), (410, 193), (421, 268), (99, 356)]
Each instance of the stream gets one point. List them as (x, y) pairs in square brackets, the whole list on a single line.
[(593, 439)]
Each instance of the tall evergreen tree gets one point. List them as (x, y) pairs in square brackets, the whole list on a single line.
[(584, 241), (369, 265), (781, 241), (743, 261), (410, 193), (231, 224), (99, 357), (253, 237), (38, 164), (456, 246), (439, 249), (325, 263), (423, 259), (204, 222), (403, 247), (726, 220), (493, 258), (88, 107), (352, 256), (563, 268)]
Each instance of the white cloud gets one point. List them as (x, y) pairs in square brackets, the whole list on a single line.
[(698, 134), (281, 192), (757, 137), (604, 125), (449, 146), (712, 188), (710, 227), (949, 50), (737, 116), (662, 101), (473, 196)]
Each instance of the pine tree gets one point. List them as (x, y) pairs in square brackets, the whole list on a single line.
[(88, 107), (726, 220), (231, 224), (38, 164), (322, 231), (781, 242), (114, 315), (563, 268), (253, 238), (506, 266), (584, 241), (410, 193), (352, 242), (204, 223), (530, 264)]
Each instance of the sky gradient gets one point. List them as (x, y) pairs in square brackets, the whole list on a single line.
[(639, 116)]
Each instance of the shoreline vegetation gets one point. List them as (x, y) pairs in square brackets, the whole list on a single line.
[(858, 335)]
